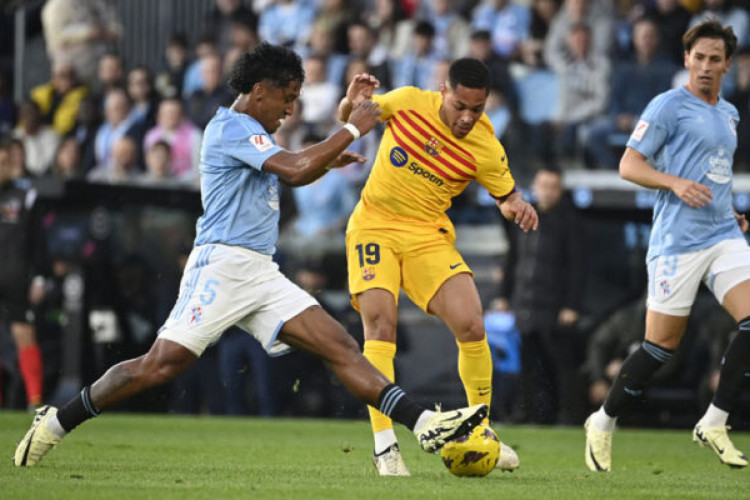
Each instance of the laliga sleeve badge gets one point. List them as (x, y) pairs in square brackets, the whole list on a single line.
[(261, 142)]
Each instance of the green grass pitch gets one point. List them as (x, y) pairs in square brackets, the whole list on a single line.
[(162, 457)]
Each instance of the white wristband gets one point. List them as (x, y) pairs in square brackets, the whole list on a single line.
[(354, 130)]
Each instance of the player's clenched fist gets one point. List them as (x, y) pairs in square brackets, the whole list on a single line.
[(365, 116)]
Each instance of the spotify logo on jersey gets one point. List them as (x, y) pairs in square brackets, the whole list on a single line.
[(399, 157)]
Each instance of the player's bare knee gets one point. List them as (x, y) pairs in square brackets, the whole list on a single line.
[(470, 329), (382, 327)]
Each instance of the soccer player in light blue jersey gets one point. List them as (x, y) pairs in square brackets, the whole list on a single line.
[(683, 146), (230, 277)]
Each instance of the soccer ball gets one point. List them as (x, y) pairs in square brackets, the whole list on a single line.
[(474, 454)]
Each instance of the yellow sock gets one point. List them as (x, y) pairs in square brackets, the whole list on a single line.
[(475, 370), (381, 355)]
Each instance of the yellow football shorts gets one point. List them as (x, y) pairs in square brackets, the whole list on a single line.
[(417, 261)]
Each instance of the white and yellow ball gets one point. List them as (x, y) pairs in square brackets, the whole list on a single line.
[(475, 454)]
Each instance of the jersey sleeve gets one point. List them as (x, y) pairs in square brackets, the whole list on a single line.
[(390, 102), (251, 146), (653, 127), (495, 174)]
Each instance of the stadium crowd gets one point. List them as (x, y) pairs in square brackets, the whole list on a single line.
[(570, 78)]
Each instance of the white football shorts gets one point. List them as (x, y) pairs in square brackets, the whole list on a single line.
[(224, 286), (673, 280)]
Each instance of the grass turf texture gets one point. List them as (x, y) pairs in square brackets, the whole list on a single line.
[(134, 456)]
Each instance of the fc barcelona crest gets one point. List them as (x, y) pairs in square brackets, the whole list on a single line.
[(433, 147), (367, 274)]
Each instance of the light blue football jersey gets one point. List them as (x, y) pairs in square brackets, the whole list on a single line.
[(240, 200), (683, 135)]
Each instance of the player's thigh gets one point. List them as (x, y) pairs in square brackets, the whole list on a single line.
[(372, 263), (665, 330), (427, 265), (458, 304), (729, 277), (673, 281), (379, 311), (317, 332)]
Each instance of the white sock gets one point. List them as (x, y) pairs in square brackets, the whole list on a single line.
[(422, 420), (383, 440), (603, 422), (54, 426), (714, 417)]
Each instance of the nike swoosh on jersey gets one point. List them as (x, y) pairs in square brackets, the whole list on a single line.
[(455, 265)]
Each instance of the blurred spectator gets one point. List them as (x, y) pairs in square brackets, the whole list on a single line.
[(204, 102), (67, 162), (60, 99), (319, 97), (16, 204), (239, 354), (7, 107), (17, 157), (592, 13), (727, 14), (389, 20), (119, 121), (323, 209), (143, 95), (223, 18), (110, 75), (480, 47), (531, 49), (417, 67), (169, 81), (740, 97), (79, 32), (334, 16), (182, 136), (543, 286), (451, 30), (243, 35), (322, 44), (672, 19), (158, 167), (584, 88), (193, 80), (39, 140), (87, 125), (363, 44), (634, 84), (498, 111), (506, 20), (122, 166), (286, 22)]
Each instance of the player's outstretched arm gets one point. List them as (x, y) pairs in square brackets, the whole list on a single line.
[(742, 221), (635, 168), (303, 167), (515, 209), (360, 89)]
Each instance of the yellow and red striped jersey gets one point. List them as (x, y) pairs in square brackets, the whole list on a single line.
[(421, 166)]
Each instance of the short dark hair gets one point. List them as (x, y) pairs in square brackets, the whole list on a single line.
[(274, 63), (711, 28), (469, 72), (425, 28)]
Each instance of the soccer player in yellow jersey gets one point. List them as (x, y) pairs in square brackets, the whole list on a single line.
[(399, 235)]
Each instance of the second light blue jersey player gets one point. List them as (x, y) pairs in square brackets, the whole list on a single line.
[(666, 135), (240, 200)]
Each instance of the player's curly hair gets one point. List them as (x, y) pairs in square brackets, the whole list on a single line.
[(711, 28), (274, 63), (469, 72)]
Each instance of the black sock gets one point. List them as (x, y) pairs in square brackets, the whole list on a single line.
[(77, 410), (735, 368), (634, 375), (393, 402)]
